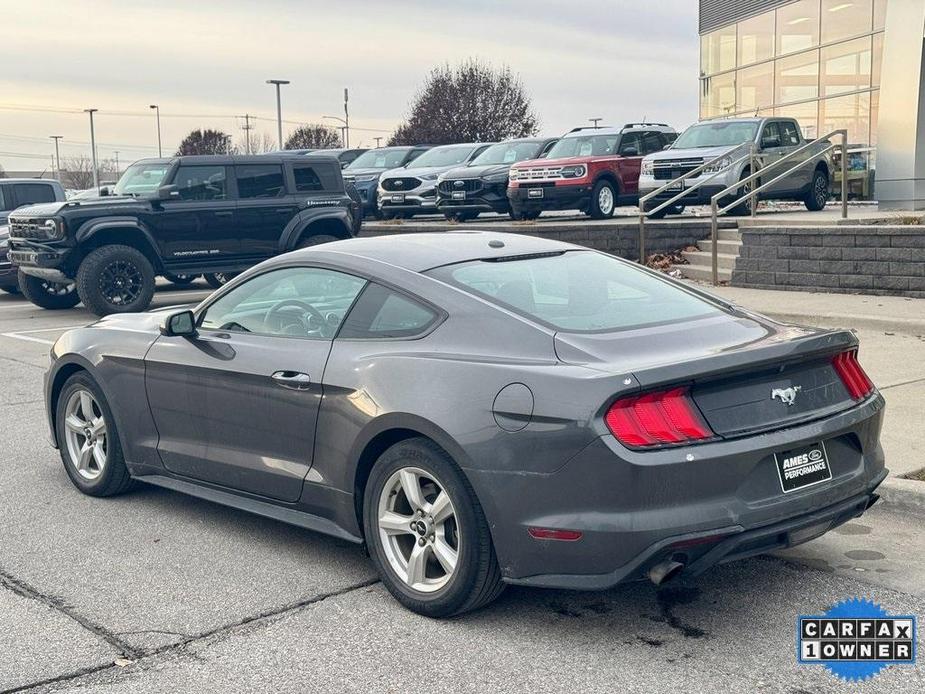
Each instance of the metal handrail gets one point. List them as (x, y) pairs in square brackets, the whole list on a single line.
[(643, 213), (715, 210)]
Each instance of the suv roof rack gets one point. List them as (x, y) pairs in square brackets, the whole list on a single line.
[(630, 126), (591, 127)]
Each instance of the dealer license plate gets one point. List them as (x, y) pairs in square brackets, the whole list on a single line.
[(398, 198), (535, 193), (459, 195), (803, 467)]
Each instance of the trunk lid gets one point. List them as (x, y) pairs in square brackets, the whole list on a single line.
[(745, 374)]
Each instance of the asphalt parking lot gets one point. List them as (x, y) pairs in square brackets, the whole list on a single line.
[(154, 591)]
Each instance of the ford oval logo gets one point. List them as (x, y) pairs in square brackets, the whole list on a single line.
[(459, 184), (399, 183)]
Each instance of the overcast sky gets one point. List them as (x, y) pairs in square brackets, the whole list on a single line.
[(205, 63)]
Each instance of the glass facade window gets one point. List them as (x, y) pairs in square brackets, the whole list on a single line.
[(851, 112), (718, 50), (797, 77), (756, 39), (719, 95), (797, 26), (876, 60), (879, 14), (842, 19), (806, 114), (755, 87), (845, 67)]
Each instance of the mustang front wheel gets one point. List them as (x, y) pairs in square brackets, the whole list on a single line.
[(427, 533)]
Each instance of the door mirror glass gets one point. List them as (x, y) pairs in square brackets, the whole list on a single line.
[(182, 324), (168, 192)]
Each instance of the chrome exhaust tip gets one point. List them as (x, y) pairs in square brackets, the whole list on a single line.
[(665, 571)]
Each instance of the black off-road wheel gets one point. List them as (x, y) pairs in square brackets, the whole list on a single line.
[(88, 440), (818, 193), (219, 279), (115, 279), (46, 294), (180, 280), (427, 533)]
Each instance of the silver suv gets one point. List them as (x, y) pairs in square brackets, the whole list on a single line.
[(406, 192), (774, 139)]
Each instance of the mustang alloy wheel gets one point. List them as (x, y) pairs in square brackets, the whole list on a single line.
[(85, 434), (418, 529), (426, 531), (88, 440)]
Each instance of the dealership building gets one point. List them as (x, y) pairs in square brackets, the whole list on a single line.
[(831, 64)]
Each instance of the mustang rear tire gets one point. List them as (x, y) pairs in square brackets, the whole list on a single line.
[(51, 295), (427, 533), (115, 279), (88, 440)]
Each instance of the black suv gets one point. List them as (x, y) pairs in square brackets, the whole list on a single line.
[(175, 217), (480, 186)]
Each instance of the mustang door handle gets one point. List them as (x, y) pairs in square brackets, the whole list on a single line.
[(292, 379)]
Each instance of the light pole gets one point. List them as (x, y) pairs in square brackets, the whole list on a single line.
[(346, 121), (116, 152), (279, 110), (343, 130), (157, 114), (96, 173), (377, 139), (57, 157), (595, 121)]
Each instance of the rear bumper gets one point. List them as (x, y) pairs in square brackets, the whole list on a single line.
[(634, 510)]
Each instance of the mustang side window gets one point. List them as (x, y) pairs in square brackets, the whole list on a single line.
[(381, 313), (293, 302)]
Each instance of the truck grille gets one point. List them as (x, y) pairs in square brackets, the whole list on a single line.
[(469, 185), (400, 184), (30, 228), (539, 173), (669, 169)]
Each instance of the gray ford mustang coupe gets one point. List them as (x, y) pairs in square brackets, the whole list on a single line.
[(480, 409)]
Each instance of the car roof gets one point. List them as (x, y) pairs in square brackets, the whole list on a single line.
[(47, 181), (423, 251)]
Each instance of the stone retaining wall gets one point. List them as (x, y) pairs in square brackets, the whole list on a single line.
[(862, 259), (621, 239)]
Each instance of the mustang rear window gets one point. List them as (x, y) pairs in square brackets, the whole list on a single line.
[(577, 291)]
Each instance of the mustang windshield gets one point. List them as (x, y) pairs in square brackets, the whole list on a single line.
[(716, 134), (141, 179), (577, 291)]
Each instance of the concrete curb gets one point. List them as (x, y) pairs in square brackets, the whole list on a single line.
[(907, 496)]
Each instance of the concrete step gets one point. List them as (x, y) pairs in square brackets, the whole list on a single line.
[(726, 261), (729, 235), (703, 273), (724, 246)]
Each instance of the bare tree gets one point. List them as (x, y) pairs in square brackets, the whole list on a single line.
[(471, 102), (108, 170), (254, 143), (313, 136), (78, 172), (206, 141)]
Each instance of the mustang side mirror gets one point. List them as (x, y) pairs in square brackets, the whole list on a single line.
[(182, 324), (167, 192)]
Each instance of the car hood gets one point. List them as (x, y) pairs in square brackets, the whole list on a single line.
[(705, 153), (364, 172), (417, 172), (561, 161), (48, 209), (463, 172)]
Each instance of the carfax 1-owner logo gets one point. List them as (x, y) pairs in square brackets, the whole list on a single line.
[(856, 639)]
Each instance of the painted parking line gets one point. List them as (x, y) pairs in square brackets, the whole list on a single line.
[(27, 335)]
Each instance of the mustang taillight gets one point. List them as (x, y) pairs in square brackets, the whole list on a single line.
[(852, 375), (653, 419)]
